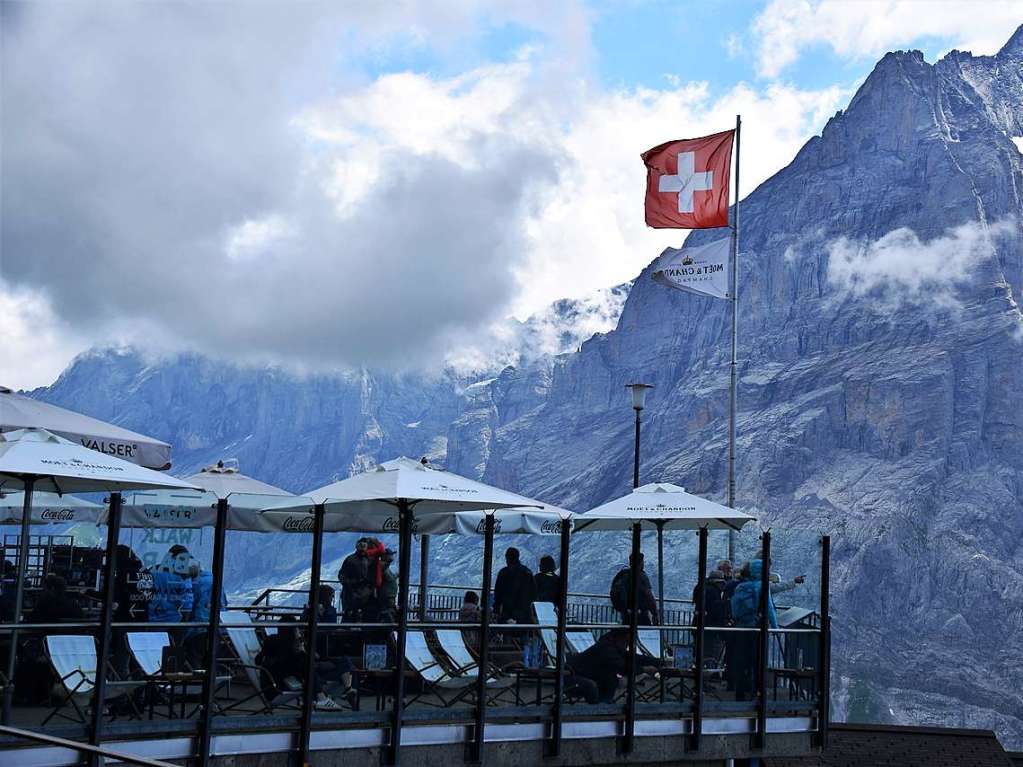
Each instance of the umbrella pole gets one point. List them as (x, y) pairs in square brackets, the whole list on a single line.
[(404, 565), (19, 594), (630, 666), (660, 573), (476, 745), (424, 573), (305, 724), (213, 635), (559, 680), (99, 690)]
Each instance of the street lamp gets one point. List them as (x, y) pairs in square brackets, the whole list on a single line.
[(638, 401)]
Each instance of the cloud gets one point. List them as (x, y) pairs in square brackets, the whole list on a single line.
[(867, 29), (37, 344), (188, 176), (901, 268)]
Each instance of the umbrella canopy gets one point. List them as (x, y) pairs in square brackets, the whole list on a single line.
[(543, 521), (48, 508), (661, 505), (20, 412), (371, 498), (198, 508), (61, 466)]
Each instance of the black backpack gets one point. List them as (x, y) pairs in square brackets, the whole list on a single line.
[(620, 590)]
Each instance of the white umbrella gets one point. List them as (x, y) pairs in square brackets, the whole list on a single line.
[(20, 412), (48, 508), (198, 508), (36, 458), (661, 506), (372, 497)]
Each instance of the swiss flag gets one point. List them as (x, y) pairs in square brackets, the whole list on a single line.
[(687, 182)]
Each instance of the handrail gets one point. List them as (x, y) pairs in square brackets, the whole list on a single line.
[(52, 740)]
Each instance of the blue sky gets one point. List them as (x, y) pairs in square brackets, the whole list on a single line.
[(471, 160)]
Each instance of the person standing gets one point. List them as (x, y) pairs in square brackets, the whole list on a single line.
[(387, 594), (746, 615), (356, 589), (621, 593), (547, 581), (514, 590)]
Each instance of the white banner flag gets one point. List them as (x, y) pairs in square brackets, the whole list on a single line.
[(702, 269)]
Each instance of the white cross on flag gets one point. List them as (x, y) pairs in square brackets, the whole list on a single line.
[(687, 182)]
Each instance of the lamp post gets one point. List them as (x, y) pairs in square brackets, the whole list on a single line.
[(638, 402)]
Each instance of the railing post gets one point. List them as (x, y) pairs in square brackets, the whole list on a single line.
[(700, 613), (305, 725), (554, 747), (633, 646), (824, 652), (404, 564), (99, 692), (28, 484), (424, 574), (475, 754), (213, 637), (763, 643)]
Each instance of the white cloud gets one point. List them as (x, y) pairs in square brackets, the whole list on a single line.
[(868, 28), (37, 344), (901, 268), (250, 216)]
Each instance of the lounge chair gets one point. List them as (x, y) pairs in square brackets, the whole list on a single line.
[(449, 688), (73, 657)]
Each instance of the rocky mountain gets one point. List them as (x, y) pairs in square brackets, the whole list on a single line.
[(881, 396)]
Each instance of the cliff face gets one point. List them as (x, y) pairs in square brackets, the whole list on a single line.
[(881, 394)]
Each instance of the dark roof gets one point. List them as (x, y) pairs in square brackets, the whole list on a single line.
[(1017, 758), (881, 745)]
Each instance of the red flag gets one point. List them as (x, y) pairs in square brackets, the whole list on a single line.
[(687, 182)]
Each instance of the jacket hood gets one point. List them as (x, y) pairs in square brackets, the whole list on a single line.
[(756, 569)]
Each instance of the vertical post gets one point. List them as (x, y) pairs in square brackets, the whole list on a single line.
[(213, 636), (635, 462), (404, 565), (19, 593), (99, 691), (763, 642), (824, 653), (701, 625), (660, 572), (475, 754), (735, 342), (424, 573), (630, 666), (305, 725), (559, 662)]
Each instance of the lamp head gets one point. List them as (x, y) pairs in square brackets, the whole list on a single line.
[(638, 394)]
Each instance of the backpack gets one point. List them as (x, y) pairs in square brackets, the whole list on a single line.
[(620, 590)]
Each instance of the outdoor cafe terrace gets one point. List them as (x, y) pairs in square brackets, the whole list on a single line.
[(423, 683)]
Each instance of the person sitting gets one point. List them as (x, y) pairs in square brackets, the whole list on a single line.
[(621, 594), (285, 659), (326, 615), (470, 613), (514, 590), (547, 581), (597, 671)]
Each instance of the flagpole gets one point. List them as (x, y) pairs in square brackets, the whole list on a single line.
[(735, 343)]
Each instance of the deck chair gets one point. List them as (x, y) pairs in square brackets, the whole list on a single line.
[(650, 642), (147, 650), (452, 642), (547, 615), (245, 643), (580, 640), (448, 688), (73, 657)]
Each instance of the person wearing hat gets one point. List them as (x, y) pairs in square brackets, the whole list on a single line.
[(357, 591), (387, 594)]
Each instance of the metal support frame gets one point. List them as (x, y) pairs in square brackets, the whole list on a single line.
[(475, 747), (424, 573), (733, 365), (305, 725), (763, 643), (554, 744), (99, 692), (824, 652), (83, 748), (213, 635), (635, 461), (700, 610), (392, 754), (660, 572), (630, 666), (28, 483)]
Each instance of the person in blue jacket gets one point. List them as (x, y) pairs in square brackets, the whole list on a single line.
[(746, 614), (173, 599), (202, 600)]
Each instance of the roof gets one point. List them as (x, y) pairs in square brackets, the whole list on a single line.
[(882, 745)]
